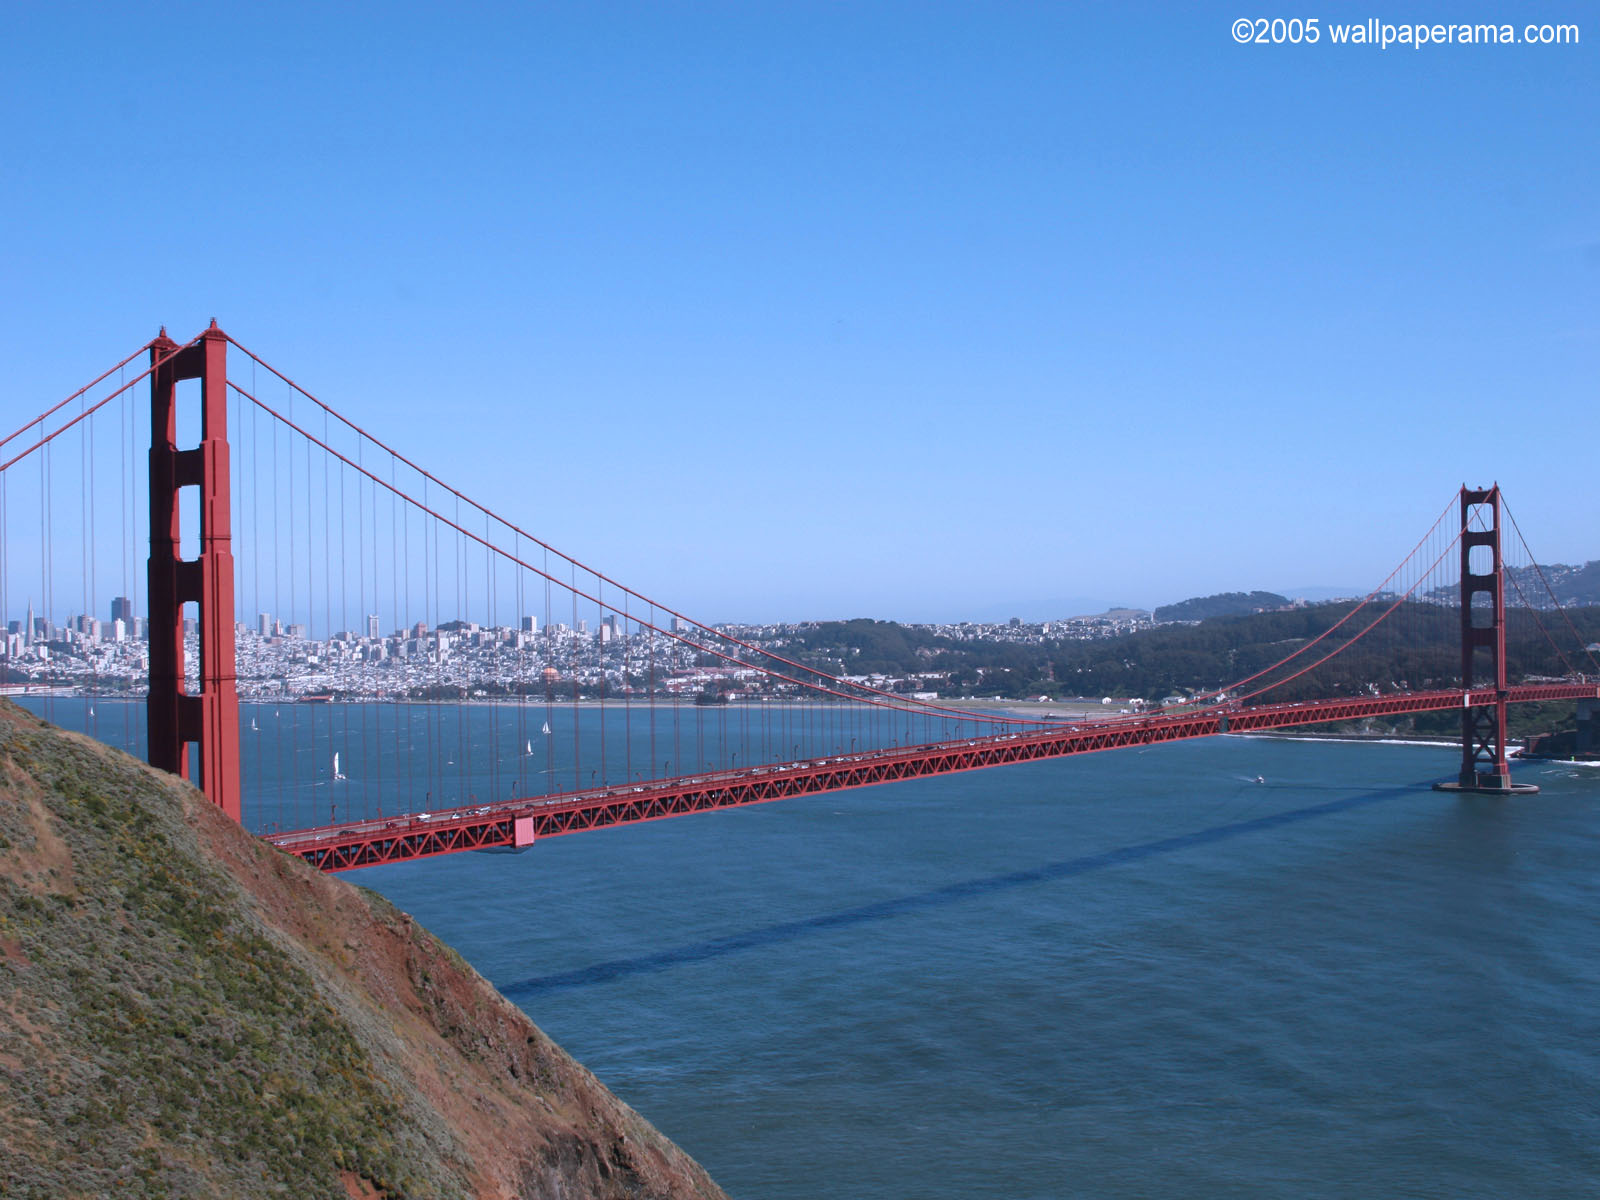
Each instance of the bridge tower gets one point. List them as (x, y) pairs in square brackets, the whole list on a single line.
[(210, 718), (1483, 650)]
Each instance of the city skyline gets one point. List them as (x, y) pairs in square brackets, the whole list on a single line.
[(318, 621)]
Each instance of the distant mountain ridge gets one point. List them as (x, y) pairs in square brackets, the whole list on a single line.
[(1224, 604)]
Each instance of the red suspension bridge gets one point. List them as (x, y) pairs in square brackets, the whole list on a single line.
[(366, 666)]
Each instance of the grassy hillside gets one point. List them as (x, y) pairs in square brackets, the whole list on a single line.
[(185, 1011)]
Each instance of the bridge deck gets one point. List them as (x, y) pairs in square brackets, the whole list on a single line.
[(519, 822)]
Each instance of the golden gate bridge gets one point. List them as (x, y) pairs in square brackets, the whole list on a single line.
[(281, 500)]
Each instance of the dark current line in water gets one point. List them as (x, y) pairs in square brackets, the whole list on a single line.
[(954, 893)]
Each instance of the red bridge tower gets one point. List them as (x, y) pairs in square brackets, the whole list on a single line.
[(211, 717), (1483, 651)]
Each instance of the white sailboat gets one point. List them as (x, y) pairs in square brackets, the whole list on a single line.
[(254, 728), (546, 729), (527, 750), (337, 774)]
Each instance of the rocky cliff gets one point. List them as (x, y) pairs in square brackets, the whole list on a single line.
[(185, 1011)]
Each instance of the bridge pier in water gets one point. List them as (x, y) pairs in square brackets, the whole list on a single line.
[(1587, 742), (1484, 767)]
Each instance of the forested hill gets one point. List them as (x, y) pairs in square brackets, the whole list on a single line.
[(1544, 587), (1417, 647), (1224, 604), (1571, 585)]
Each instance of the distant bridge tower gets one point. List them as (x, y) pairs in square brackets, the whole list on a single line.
[(211, 717), (1483, 651)]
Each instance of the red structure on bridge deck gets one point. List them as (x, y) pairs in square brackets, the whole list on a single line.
[(514, 824), (403, 514), (211, 719)]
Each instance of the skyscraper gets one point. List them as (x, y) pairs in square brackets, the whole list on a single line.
[(373, 629), (121, 609)]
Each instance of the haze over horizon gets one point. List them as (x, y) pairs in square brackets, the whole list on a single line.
[(1052, 609), (917, 311)]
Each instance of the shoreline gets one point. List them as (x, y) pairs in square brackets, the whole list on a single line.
[(1377, 739)]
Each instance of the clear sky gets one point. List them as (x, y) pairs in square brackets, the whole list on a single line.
[(918, 310)]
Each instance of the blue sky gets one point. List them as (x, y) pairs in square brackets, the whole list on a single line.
[(925, 311)]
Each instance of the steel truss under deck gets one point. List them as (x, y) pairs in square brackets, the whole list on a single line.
[(516, 824)]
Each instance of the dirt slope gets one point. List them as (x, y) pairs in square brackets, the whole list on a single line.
[(185, 1011)]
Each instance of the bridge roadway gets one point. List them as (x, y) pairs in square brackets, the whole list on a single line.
[(518, 823)]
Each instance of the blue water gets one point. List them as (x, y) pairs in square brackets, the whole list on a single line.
[(409, 758), (1130, 974)]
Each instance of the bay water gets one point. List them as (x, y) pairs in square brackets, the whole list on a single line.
[(1132, 974)]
